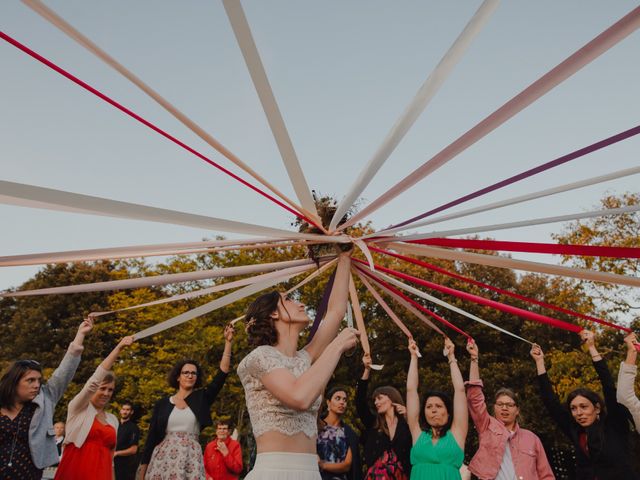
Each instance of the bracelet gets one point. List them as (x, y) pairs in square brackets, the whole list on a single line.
[(474, 359), (453, 360), (226, 354)]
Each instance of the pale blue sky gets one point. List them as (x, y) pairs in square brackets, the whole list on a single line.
[(342, 72)]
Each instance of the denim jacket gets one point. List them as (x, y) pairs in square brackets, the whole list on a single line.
[(42, 441)]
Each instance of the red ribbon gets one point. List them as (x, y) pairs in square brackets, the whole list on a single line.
[(499, 290), (533, 247), (408, 299), (153, 127), (536, 317)]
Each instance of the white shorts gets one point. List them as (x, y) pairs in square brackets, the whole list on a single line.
[(285, 466)]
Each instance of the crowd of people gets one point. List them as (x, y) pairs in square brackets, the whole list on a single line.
[(298, 423)]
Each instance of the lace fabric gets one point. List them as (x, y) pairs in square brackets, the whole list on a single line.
[(267, 413)]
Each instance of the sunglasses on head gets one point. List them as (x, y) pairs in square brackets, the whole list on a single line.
[(29, 364)]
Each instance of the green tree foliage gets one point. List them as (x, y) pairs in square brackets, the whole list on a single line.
[(41, 327)]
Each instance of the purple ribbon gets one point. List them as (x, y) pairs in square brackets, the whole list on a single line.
[(323, 306)]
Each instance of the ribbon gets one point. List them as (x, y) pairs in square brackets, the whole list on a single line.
[(453, 308), (217, 288), (500, 290), (589, 52), (534, 247), (145, 122), (40, 197), (422, 98), (523, 223), (213, 305), (505, 262), (313, 275), (51, 16), (410, 300), (322, 307), (484, 301), (510, 201), (134, 251), (357, 312), (385, 306), (160, 279), (258, 74)]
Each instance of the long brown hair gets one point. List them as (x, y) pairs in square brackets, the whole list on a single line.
[(395, 397)]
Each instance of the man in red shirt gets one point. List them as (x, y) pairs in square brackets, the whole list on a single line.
[(223, 456)]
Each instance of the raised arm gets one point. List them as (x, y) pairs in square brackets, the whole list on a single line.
[(300, 392), (475, 394), (63, 375), (213, 388), (81, 400), (561, 416), (336, 309), (460, 424), (362, 407), (413, 399), (626, 394)]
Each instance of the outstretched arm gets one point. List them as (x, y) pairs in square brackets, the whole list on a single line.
[(362, 408), (460, 424), (335, 311), (81, 400), (626, 394), (213, 388), (413, 399), (300, 392), (475, 396), (63, 375)]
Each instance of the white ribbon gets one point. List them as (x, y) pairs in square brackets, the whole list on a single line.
[(51, 16), (506, 262), (39, 197), (523, 223), (265, 93), (132, 251), (217, 288), (514, 200), (448, 306), (160, 279), (214, 305), (422, 98), (554, 77)]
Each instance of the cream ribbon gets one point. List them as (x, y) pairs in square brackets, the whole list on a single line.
[(134, 251), (514, 200), (51, 16), (265, 93), (213, 305), (357, 313), (39, 197), (523, 223), (160, 279), (589, 52), (505, 262), (422, 98), (216, 288)]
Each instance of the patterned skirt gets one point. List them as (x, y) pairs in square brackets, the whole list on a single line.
[(177, 457)]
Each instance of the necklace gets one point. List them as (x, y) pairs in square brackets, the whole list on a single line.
[(15, 437)]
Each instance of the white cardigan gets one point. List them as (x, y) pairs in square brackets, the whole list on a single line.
[(626, 394), (81, 412)]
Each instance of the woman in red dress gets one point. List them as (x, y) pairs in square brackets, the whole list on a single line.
[(91, 432)]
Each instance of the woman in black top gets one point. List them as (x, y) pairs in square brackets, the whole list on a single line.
[(188, 402), (597, 429), (387, 438)]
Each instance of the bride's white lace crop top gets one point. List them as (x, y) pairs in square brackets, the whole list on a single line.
[(266, 411)]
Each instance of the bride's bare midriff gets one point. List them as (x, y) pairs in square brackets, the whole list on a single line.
[(279, 442)]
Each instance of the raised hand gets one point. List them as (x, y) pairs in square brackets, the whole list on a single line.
[(229, 331), (126, 342), (588, 337), (413, 348), (449, 348), (348, 339), (87, 324), (472, 348), (631, 341), (536, 353)]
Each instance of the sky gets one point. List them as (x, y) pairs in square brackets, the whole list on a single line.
[(342, 73)]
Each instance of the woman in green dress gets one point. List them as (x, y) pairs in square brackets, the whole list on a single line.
[(438, 449)]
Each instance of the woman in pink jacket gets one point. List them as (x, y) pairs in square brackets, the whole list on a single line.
[(506, 450)]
